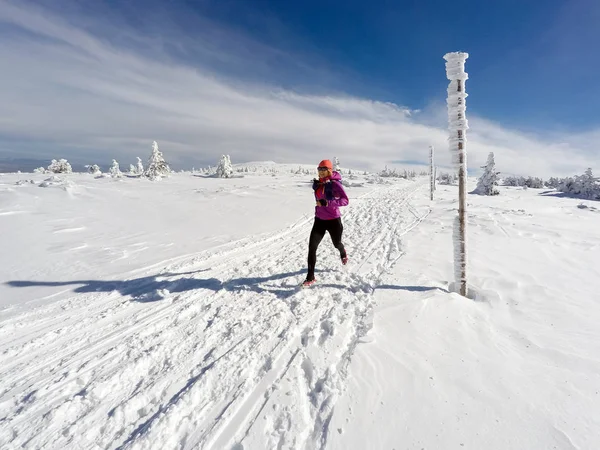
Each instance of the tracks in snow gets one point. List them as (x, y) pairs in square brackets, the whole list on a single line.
[(220, 350)]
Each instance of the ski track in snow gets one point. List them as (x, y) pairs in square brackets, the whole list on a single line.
[(219, 350)]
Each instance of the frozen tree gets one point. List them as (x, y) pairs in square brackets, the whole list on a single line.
[(157, 166), (140, 166), (589, 184), (39, 170), (488, 182), (225, 169), (115, 171), (336, 164), (60, 166), (132, 169)]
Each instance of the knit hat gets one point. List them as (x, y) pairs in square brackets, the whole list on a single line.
[(326, 163)]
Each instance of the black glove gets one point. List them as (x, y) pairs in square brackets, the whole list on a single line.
[(316, 184), (323, 202)]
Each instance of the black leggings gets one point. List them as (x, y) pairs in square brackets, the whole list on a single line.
[(319, 228)]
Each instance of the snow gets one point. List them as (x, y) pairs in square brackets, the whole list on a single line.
[(139, 314)]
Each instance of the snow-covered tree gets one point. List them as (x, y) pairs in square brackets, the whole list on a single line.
[(60, 166), (336, 164), (488, 182), (140, 166), (589, 185), (225, 169), (115, 171), (157, 166), (39, 170)]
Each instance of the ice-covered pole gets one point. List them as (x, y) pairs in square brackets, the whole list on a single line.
[(457, 127), (431, 172)]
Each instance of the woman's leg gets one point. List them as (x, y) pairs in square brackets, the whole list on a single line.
[(335, 231), (316, 235)]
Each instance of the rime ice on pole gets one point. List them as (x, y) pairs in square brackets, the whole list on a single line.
[(457, 120), (457, 127)]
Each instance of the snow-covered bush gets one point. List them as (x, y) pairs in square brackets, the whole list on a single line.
[(60, 166), (513, 181), (586, 185), (534, 183), (529, 182), (157, 166), (94, 169), (115, 171), (394, 173), (39, 170), (225, 169), (590, 185), (488, 182), (447, 178), (57, 182)]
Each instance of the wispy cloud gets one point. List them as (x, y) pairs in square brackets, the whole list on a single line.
[(64, 88)]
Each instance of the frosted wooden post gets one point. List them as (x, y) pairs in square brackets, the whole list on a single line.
[(457, 126), (431, 172)]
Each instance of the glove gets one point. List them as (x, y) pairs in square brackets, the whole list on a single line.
[(315, 185), (322, 202)]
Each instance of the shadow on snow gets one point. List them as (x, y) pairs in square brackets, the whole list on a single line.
[(558, 194), (154, 288), (411, 288)]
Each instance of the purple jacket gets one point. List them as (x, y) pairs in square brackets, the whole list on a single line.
[(334, 193)]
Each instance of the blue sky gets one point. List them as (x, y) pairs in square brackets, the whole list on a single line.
[(533, 64), (291, 81)]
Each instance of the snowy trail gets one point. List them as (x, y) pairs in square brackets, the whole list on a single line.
[(219, 350)]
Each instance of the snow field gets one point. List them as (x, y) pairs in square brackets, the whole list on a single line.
[(517, 367), (217, 350)]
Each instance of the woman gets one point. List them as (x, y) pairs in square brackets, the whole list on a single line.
[(330, 195)]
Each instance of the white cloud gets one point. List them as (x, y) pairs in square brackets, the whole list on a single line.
[(62, 85)]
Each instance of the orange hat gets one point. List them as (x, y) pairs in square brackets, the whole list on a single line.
[(326, 163)]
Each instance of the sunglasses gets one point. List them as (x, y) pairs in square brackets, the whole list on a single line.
[(322, 169)]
